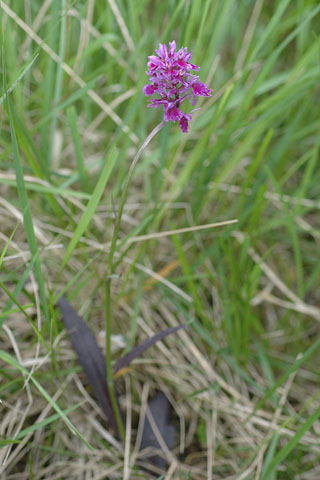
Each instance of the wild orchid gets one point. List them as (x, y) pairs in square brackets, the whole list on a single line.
[(171, 78)]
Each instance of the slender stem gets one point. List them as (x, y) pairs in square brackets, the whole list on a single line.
[(111, 389), (125, 191), (110, 271)]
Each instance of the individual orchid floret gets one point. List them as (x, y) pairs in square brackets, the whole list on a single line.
[(171, 78)]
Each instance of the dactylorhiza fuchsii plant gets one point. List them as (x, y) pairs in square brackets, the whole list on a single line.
[(171, 79)]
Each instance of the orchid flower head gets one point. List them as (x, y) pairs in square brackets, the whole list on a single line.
[(171, 79)]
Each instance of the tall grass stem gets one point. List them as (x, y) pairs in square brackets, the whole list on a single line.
[(110, 272)]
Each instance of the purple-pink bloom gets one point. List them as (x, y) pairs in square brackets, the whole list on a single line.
[(149, 90), (184, 125), (170, 78), (173, 114)]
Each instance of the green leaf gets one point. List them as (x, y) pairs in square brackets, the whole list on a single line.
[(92, 205), (14, 363), (24, 203), (292, 443)]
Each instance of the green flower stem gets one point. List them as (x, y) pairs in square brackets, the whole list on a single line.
[(110, 272), (110, 381)]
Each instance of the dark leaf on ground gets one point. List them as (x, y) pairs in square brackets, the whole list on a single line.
[(94, 366), (90, 357), (137, 351), (159, 407)]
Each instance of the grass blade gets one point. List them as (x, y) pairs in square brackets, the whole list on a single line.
[(92, 205), (24, 203), (292, 443), (13, 362)]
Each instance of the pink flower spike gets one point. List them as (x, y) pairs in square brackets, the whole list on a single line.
[(171, 79)]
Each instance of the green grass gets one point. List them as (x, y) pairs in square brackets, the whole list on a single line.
[(243, 378)]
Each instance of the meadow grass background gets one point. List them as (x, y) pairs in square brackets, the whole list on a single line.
[(243, 378)]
